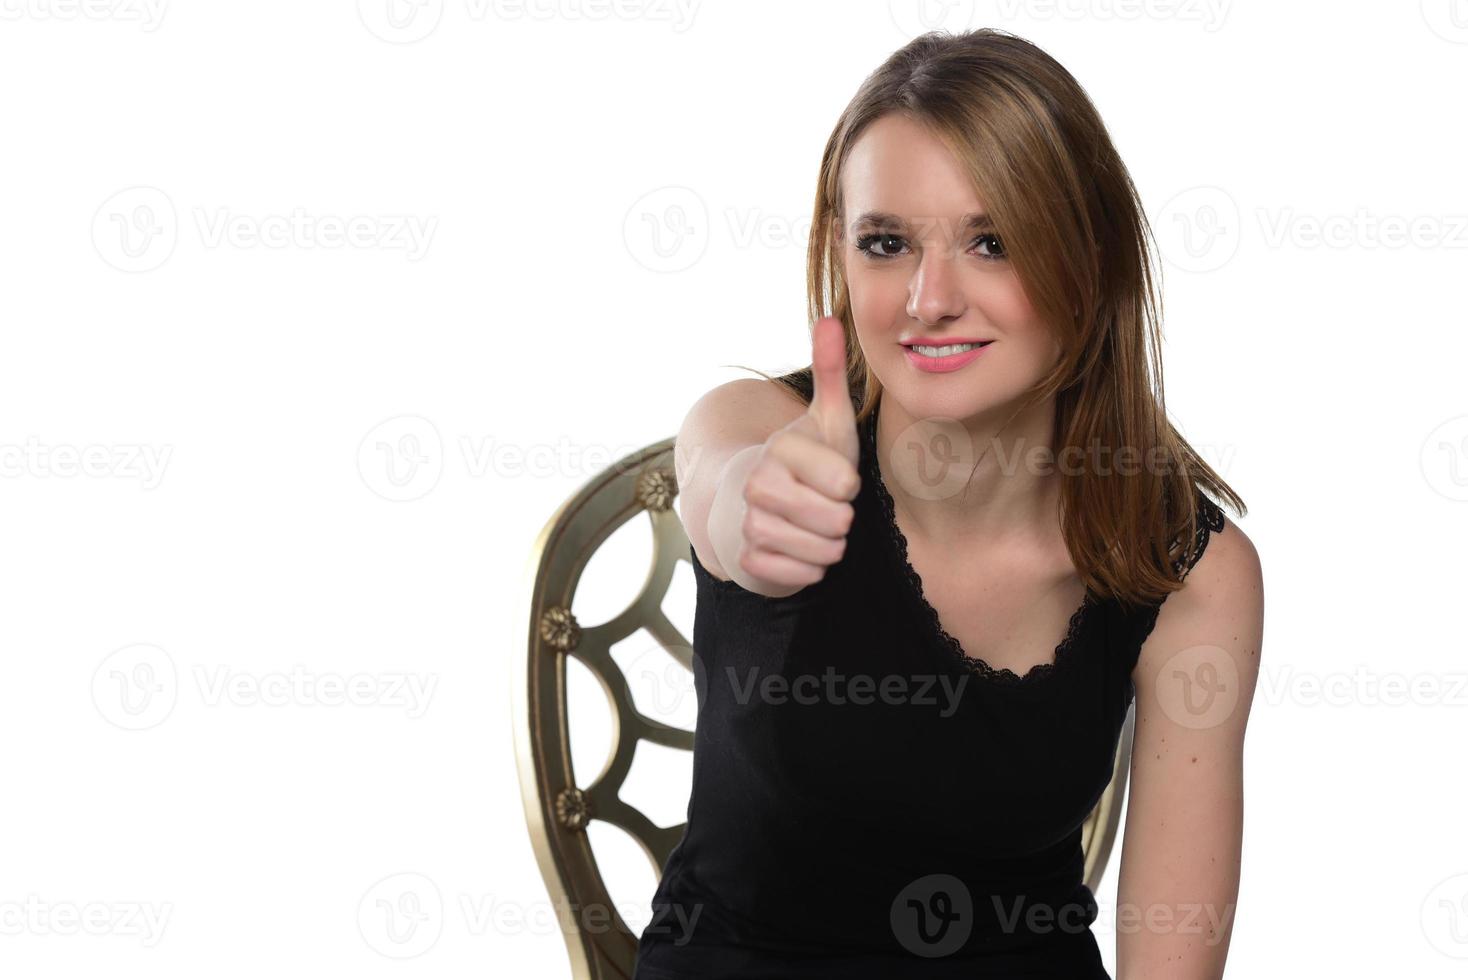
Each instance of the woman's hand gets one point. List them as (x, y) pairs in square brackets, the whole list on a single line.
[(798, 492)]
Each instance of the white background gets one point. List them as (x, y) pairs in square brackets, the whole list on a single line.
[(201, 525)]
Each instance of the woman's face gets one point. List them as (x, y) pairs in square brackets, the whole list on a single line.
[(925, 272)]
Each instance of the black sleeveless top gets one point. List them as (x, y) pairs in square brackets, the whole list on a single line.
[(867, 801)]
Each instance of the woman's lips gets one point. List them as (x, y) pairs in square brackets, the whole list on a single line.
[(942, 365)]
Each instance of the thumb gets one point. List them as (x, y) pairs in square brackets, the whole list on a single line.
[(831, 397)]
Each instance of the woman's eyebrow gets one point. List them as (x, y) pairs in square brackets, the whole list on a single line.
[(974, 220)]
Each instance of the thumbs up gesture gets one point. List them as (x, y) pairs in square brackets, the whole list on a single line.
[(797, 497)]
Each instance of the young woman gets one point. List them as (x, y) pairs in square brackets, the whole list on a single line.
[(894, 757)]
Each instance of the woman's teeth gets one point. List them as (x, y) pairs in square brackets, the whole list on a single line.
[(945, 350)]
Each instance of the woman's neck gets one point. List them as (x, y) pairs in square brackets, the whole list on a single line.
[(988, 478)]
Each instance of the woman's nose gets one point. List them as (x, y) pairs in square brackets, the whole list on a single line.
[(934, 293)]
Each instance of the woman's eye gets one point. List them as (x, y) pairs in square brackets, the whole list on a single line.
[(996, 248), (865, 243)]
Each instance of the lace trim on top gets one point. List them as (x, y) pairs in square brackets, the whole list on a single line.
[(953, 649), (1210, 521)]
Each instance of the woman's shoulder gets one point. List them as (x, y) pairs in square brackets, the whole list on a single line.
[(1222, 579), (1221, 551)]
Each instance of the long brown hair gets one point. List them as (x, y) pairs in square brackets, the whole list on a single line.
[(1073, 227)]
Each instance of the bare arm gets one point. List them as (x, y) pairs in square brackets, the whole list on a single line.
[(1182, 846)]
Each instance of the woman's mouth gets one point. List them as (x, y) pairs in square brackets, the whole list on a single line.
[(945, 357)]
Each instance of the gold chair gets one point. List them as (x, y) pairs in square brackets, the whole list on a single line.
[(557, 808)]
